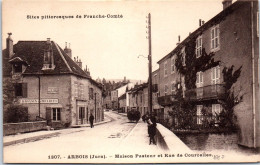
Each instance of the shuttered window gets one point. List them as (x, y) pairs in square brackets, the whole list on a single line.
[(20, 89), (199, 46), (215, 37)]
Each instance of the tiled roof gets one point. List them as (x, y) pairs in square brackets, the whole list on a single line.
[(139, 87), (32, 52)]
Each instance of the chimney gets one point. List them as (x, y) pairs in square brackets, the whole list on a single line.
[(9, 45), (67, 50), (226, 3), (179, 40), (48, 40), (200, 22), (203, 22), (80, 63), (48, 60)]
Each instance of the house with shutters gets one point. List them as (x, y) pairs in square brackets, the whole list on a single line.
[(232, 39), (50, 83)]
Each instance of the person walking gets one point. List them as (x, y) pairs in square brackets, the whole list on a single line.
[(91, 119)]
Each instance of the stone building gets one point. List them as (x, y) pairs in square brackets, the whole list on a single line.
[(138, 98), (118, 92), (50, 84), (232, 36)]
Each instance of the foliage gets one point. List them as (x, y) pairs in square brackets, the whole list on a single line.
[(192, 63), (182, 110), (8, 91), (133, 115), (108, 86), (16, 114), (230, 100)]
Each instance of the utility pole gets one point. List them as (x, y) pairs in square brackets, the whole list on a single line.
[(150, 91)]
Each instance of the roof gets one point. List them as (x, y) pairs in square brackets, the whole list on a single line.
[(122, 97), (32, 53), (213, 21), (138, 87)]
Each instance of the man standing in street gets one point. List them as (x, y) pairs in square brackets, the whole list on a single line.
[(91, 119)]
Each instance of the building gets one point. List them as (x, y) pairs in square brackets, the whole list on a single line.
[(107, 101), (138, 98), (157, 108), (231, 38), (118, 92), (122, 103), (50, 84)]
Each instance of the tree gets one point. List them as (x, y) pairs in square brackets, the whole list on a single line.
[(16, 114), (133, 115)]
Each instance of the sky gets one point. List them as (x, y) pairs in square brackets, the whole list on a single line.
[(108, 46)]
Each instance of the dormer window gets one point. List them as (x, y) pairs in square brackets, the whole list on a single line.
[(18, 68), (47, 57), (18, 64)]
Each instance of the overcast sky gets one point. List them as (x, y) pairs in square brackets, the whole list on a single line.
[(109, 46)]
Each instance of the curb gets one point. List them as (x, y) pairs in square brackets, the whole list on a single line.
[(29, 139), (80, 126)]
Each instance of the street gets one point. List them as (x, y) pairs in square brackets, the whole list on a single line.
[(93, 142)]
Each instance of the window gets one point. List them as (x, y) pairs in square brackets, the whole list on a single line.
[(17, 68), (172, 65), (183, 56), (47, 57), (216, 109), (165, 69), (56, 114), (215, 75), (20, 89), (215, 37), (91, 93), (81, 91), (199, 79), (165, 89), (199, 114), (76, 92), (199, 46)]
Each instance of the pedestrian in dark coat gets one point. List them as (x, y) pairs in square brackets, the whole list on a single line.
[(91, 119), (152, 129)]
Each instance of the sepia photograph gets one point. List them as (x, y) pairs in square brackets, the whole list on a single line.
[(170, 81)]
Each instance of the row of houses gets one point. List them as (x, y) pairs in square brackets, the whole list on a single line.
[(44, 78), (211, 74)]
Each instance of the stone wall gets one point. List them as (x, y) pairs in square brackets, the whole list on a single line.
[(14, 128)]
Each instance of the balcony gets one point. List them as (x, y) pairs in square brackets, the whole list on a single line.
[(205, 93), (166, 100)]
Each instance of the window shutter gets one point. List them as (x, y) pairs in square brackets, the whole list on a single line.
[(24, 89), (48, 115), (218, 73)]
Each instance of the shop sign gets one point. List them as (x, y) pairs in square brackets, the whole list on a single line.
[(36, 101)]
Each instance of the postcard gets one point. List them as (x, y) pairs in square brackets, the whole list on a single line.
[(130, 81)]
